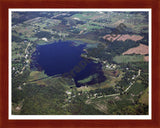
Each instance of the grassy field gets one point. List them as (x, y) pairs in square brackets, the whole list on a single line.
[(86, 40), (111, 105), (83, 16), (35, 77), (144, 97), (128, 58), (87, 79), (89, 27), (137, 88)]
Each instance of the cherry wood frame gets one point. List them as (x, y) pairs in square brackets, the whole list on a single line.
[(6, 4)]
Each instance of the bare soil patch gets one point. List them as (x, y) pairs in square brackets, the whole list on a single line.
[(141, 49), (146, 58), (122, 37)]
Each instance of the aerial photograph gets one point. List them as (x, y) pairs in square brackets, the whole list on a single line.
[(80, 62)]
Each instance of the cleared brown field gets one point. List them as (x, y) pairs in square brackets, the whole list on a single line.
[(141, 49), (146, 58), (131, 37), (110, 38), (122, 37)]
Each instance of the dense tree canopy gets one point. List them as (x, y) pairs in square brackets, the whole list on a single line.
[(42, 34)]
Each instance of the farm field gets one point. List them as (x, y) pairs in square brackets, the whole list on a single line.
[(128, 58), (141, 49), (123, 37)]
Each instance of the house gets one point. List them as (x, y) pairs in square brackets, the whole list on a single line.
[(69, 93), (45, 39)]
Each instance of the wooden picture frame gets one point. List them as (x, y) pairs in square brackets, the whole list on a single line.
[(4, 39)]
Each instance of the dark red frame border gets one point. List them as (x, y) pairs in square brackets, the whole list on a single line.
[(6, 4)]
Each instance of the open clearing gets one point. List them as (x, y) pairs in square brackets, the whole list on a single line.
[(122, 37), (146, 58), (128, 58), (144, 97), (141, 49)]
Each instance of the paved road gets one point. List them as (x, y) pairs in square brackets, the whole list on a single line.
[(26, 50)]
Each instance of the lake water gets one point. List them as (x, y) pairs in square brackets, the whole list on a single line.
[(61, 57)]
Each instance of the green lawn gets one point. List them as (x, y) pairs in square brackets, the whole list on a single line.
[(144, 99), (128, 58), (88, 79), (83, 16)]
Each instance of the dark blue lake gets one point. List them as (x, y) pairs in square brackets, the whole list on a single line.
[(64, 57)]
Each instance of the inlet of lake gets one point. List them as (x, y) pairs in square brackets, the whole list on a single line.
[(61, 57)]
